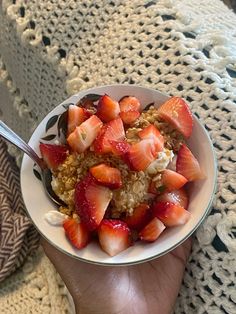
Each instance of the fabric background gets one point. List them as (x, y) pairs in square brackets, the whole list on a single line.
[(18, 236), (51, 49), (36, 287)]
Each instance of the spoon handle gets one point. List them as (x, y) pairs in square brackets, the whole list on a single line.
[(12, 137)]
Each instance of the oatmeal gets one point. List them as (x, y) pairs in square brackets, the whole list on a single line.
[(118, 171), (135, 183)]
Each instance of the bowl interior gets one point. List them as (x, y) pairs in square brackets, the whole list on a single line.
[(201, 192)]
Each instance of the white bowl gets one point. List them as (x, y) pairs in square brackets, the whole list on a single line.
[(201, 192)]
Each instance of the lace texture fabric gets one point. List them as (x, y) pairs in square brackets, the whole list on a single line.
[(51, 49)]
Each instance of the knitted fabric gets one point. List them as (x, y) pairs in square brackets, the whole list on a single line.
[(35, 288), (51, 49)]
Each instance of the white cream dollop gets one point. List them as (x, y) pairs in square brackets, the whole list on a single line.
[(161, 162), (55, 218)]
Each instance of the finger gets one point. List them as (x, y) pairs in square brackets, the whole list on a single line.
[(169, 271), (182, 252), (53, 254), (65, 265)]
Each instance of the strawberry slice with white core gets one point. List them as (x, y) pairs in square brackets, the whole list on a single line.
[(76, 232), (76, 115), (113, 130), (129, 103), (187, 164), (129, 117), (172, 180), (141, 154), (170, 214), (53, 155), (114, 236), (177, 113), (119, 148), (91, 201), (107, 176), (178, 197), (152, 230), (107, 109), (140, 217), (151, 132), (84, 135)]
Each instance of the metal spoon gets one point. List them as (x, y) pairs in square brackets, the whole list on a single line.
[(12, 137)]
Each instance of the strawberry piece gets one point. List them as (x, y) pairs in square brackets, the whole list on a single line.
[(139, 218), (141, 154), (129, 103), (114, 236), (172, 180), (113, 130), (170, 214), (107, 176), (107, 109), (177, 113), (128, 117), (119, 148), (91, 201), (84, 135), (152, 230), (53, 155), (151, 132), (76, 232), (178, 197), (187, 164), (76, 115)]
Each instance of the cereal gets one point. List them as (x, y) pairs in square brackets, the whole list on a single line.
[(135, 183)]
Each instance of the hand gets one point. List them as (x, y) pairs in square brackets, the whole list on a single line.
[(148, 288)]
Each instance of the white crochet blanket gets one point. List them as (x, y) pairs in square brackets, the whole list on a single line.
[(51, 49)]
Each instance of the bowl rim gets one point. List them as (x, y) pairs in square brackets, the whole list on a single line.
[(203, 217)]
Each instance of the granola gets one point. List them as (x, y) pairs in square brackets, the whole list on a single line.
[(135, 183)]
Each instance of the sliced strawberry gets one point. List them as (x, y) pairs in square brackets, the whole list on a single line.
[(187, 164), (76, 232), (140, 217), (114, 236), (170, 214), (141, 154), (107, 176), (169, 181), (129, 103), (53, 155), (151, 132), (152, 230), (177, 113), (91, 201), (119, 148), (113, 130), (128, 117), (76, 115), (107, 109), (84, 135), (178, 197), (172, 180)]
